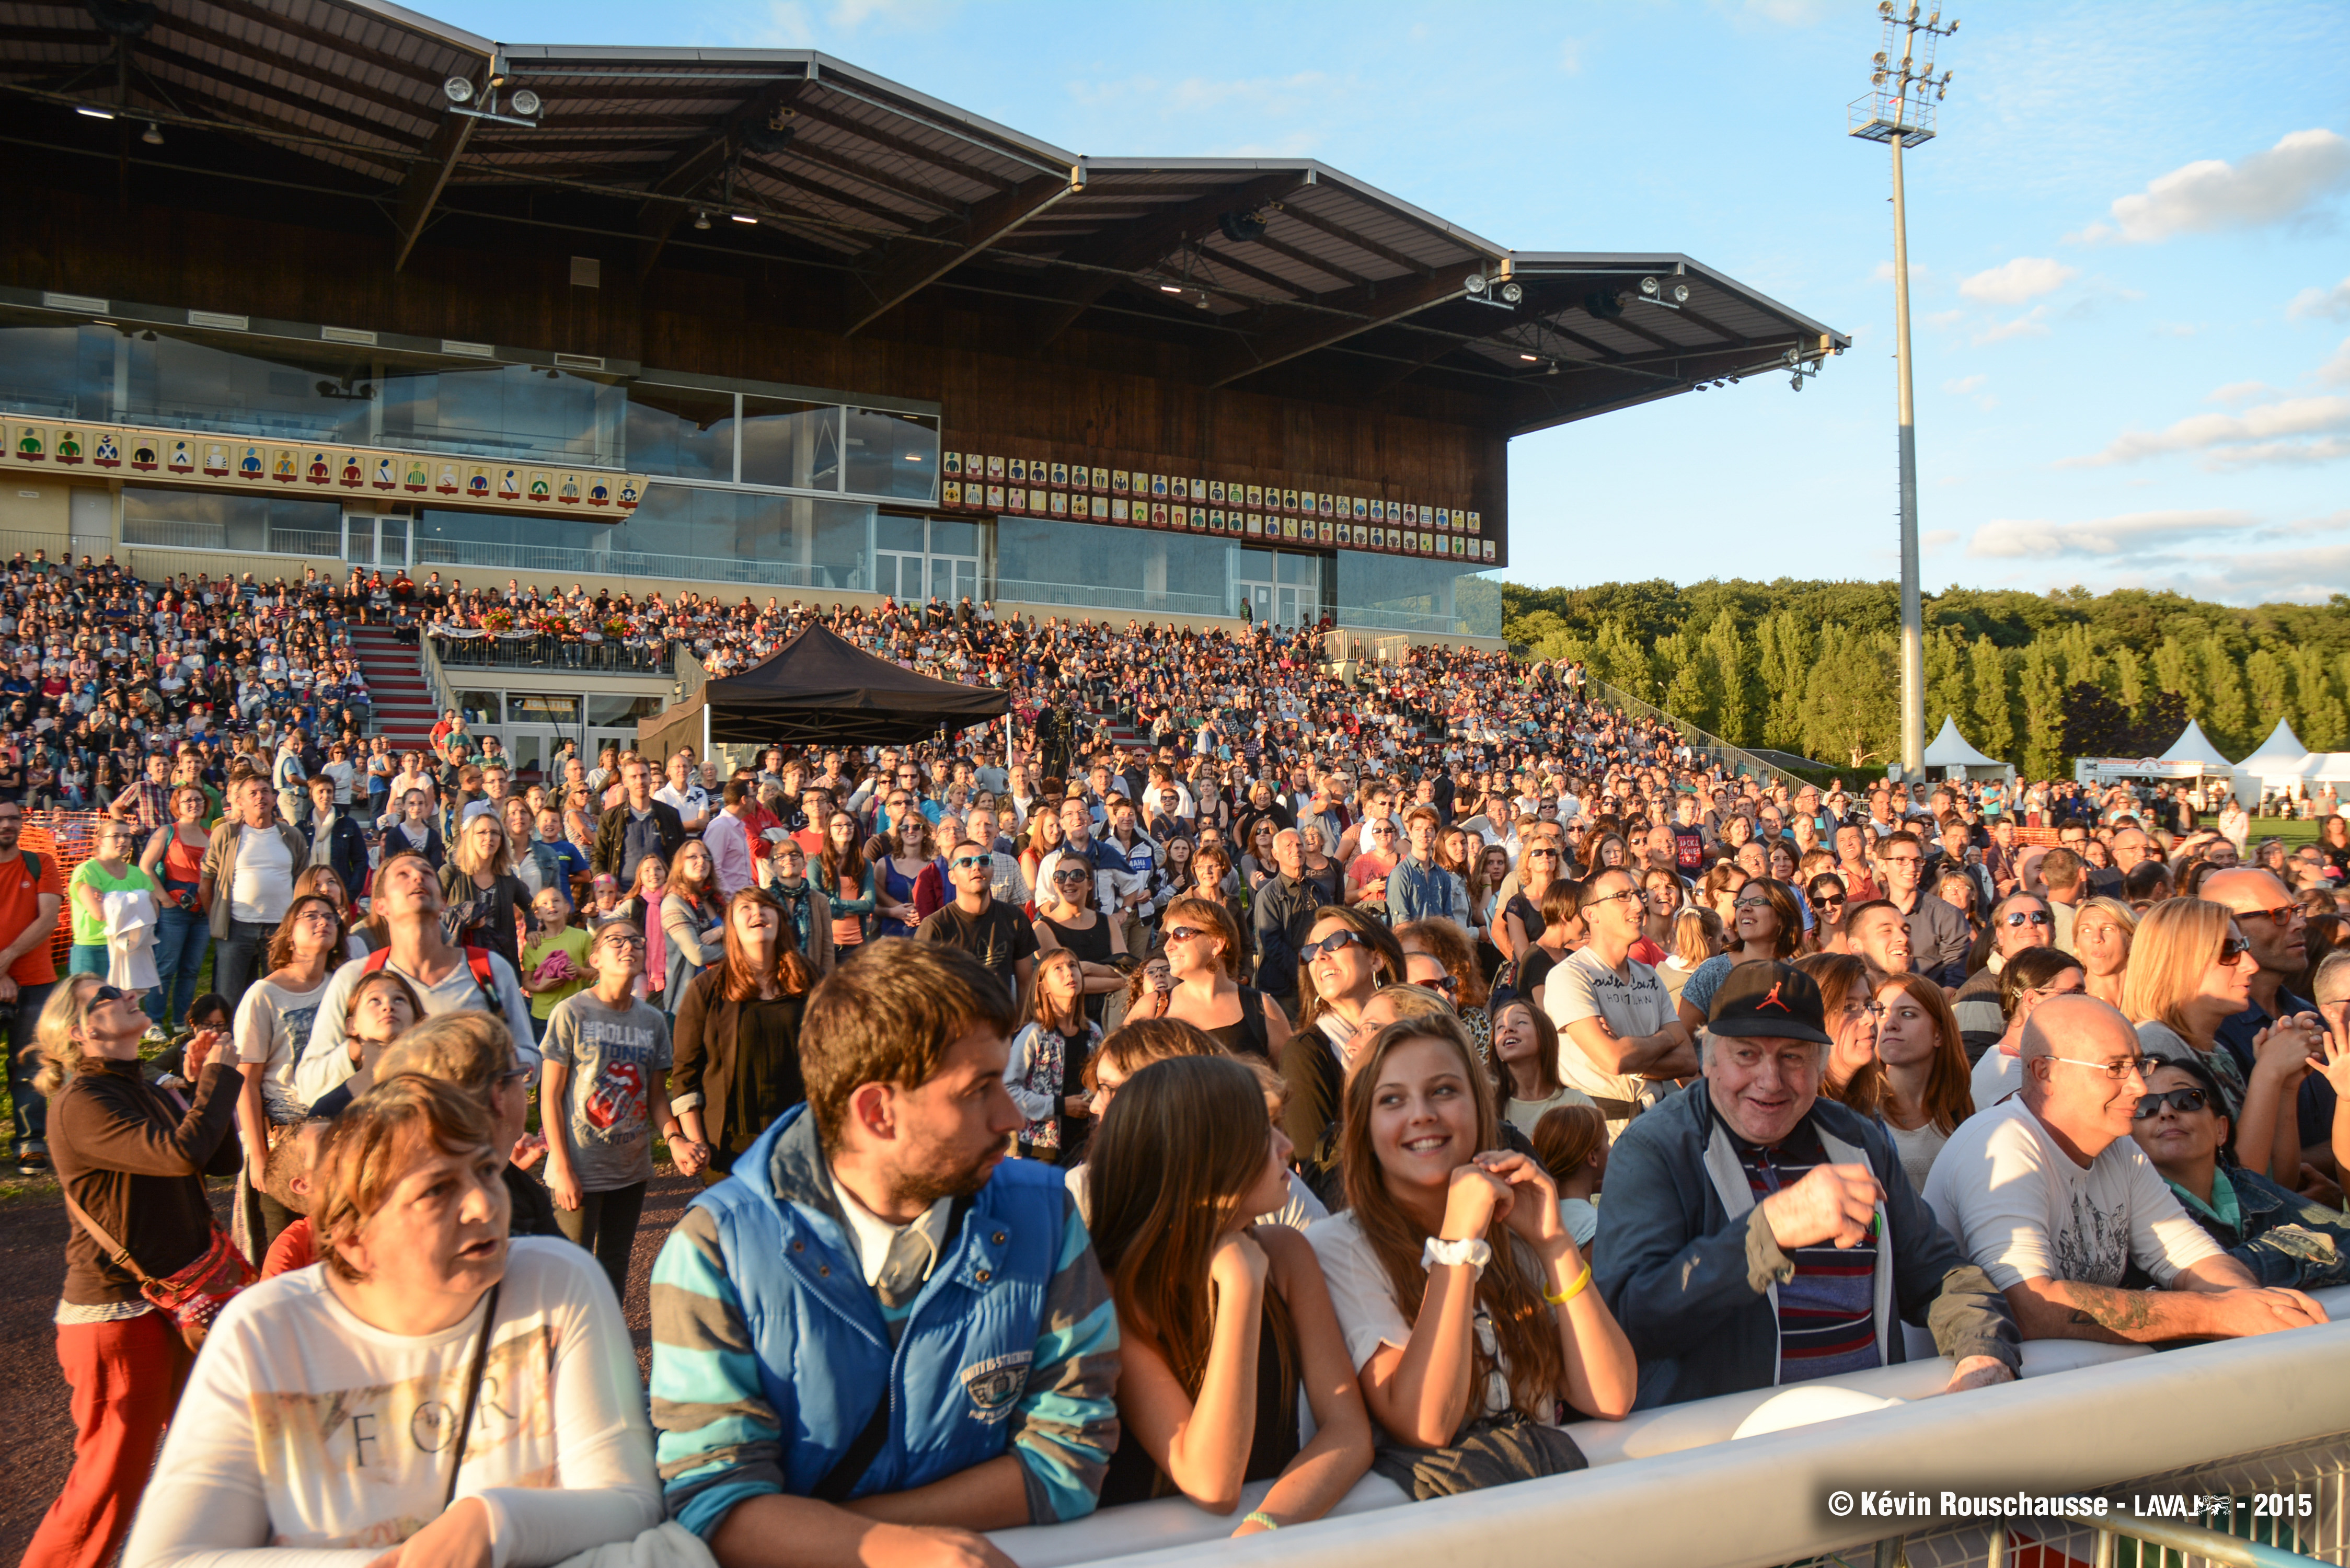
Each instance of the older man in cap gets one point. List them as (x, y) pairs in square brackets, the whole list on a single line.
[(1755, 1234)]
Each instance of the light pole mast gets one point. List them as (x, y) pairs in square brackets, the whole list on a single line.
[(1898, 108)]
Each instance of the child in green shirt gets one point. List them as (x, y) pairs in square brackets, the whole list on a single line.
[(539, 980)]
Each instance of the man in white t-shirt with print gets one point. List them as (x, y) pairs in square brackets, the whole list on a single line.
[(1618, 1032), (2049, 1195)]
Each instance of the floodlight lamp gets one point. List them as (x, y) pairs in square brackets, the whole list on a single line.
[(1680, 293), (701, 220), (1474, 282), (1648, 286), (457, 90), (1510, 294), (1879, 61), (154, 135), (525, 102)]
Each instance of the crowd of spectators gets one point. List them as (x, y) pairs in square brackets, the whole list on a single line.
[(1423, 1047)]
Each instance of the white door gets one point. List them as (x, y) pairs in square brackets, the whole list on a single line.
[(90, 514)]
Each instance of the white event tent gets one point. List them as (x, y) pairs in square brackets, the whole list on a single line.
[(1950, 750)]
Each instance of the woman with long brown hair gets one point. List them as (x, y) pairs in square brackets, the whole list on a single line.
[(1042, 837), (1917, 1084), (846, 879), (1222, 1321), (1466, 1304), (737, 1042), (1443, 945), (1204, 956), (1766, 926), (1525, 1066), (273, 1030), (1345, 958), (1044, 1072), (1541, 862), (1849, 1005), (174, 857), (692, 922)]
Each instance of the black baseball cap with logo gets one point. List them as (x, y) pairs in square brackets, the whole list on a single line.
[(1774, 1001)]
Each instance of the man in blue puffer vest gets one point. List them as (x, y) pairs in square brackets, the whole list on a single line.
[(878, 1338)]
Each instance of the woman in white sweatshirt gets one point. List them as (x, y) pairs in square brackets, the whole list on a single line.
[(429, 1386)]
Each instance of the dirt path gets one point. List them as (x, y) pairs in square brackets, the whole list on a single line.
[(36, 1412)]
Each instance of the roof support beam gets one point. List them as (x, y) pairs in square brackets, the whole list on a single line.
[(1219, 256), (865, 174), (1326, 268), (417, 70), (902, 270), (1129, 250), (661, 213), (421, 191), (1379, 305), (823, 115), (1336, 232)]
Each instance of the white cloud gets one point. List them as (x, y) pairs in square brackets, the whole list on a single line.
[(2335, 371), (2238, 392), (1960, 387), (2036, 539), (2332, 302), (798, 24), (2033, 323), (2259, 434), (1570, 57), (1787, 13), (2307, 575), (2209, 196), (1938, 538), (2014, 282)]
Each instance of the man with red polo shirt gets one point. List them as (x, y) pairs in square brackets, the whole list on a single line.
[(29, 901)]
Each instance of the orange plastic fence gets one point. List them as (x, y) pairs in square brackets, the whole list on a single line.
[(70, 837)]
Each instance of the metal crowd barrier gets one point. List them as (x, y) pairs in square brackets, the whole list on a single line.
[(2262, 1423)]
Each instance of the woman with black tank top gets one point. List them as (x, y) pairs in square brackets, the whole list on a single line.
[(1066, 918), (1223, 1324), (1202, 949)]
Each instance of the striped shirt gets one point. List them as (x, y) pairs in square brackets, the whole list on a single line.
[(1827, 1323)]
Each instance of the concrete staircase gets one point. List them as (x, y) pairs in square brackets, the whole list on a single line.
[(395, 678)]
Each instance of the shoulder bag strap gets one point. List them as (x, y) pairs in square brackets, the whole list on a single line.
[(106, 1241), (472, 1392)]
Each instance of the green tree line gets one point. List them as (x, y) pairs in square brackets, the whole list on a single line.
[(1814, 667)]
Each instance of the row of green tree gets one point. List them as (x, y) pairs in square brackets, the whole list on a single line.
[(1814, 667)]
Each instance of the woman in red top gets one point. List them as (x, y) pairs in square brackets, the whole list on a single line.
[(174, 857)]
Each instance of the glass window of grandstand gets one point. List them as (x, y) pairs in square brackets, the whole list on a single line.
[(259, 524), (916, 559), (482, 707), (1396, 593), (1095, 567), (512, 411), (678, 531)]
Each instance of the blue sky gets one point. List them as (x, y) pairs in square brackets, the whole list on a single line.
[(2131, 280)]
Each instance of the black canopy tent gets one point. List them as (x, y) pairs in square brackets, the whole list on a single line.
[(818, 689)]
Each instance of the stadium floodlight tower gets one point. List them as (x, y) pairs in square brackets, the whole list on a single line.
[(1898, 110)]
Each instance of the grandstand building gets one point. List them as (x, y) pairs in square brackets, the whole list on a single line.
[(305, 284)]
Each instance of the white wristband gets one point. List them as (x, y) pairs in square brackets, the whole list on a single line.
[(1439, 1252)]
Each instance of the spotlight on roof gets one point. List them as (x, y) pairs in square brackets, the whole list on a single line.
[(701, 220), (153, 135), (1653, 292), (1240, 228), (457, 90), (525, 103), (1511, 293), (1474, 282)]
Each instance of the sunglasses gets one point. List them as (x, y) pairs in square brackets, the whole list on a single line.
[(2233, 951), (106, 993), (1445, 984), (1077, 876), (961, 861), (1337, 941), (2026, 917), (2183, 1101)]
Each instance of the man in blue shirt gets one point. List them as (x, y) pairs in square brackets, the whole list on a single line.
[(878, 1338), (1418, 888)]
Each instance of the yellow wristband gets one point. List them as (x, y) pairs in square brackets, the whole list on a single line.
[(1572, 1291), (1261, 1517)]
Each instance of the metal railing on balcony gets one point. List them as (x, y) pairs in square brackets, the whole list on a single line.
[(1736, 760), (532, 650)]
